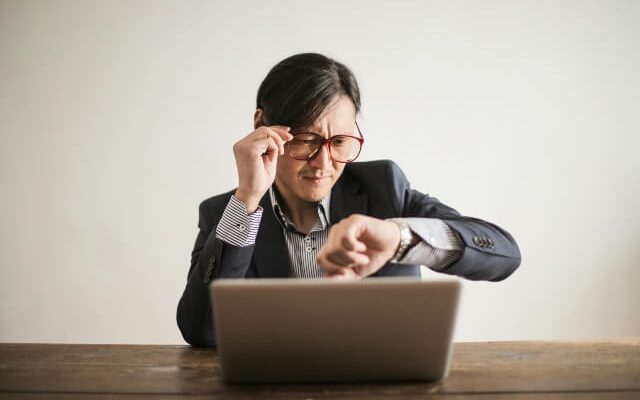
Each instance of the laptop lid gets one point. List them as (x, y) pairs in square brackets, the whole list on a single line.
[(293, 330)]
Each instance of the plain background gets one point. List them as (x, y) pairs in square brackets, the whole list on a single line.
[(118, 117)]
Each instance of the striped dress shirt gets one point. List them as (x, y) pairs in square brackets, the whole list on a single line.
[(439, 247)]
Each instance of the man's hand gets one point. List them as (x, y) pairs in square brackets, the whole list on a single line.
[(358, 246), (256, 158)]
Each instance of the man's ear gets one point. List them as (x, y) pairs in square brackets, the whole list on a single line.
[(257, 119)]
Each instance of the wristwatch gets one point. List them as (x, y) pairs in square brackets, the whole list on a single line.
[(405, 240)]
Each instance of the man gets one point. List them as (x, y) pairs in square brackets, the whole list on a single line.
[(304, 209)]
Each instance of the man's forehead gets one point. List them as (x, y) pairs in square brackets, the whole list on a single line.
[(338, 116)]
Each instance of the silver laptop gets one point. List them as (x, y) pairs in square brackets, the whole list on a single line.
[(291, 330)]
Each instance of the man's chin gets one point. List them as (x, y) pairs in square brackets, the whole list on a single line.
[(314, 196), (316, 190)]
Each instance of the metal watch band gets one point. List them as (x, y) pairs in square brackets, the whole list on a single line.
[(405, 240)]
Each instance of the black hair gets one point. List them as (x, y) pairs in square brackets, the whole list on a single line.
[(297, 89)]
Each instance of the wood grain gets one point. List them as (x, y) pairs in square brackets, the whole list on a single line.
[(519, 370)]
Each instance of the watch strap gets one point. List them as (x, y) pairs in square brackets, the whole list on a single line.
[(405, 239)]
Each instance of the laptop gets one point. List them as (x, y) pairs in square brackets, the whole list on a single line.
[(372, 330)]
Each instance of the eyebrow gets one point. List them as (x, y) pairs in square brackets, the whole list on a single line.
[(319, 134)]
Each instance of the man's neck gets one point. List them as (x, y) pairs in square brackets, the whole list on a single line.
[(303, 214)]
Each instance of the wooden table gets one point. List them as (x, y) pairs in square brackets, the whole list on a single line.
[(493, 370)]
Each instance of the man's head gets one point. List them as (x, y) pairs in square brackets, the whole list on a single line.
[(310, 93)]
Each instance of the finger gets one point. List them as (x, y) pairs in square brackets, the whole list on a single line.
[(344, 274), (279, 141), (268, 133), (266, 146), (339, 272), (264, 131), (270, 156), (282, 140), (327, 265), (348, 259), (283, 128), (282, 131), (348, 235), (363, 270), (339, 258), (350, 242), (359, 259)]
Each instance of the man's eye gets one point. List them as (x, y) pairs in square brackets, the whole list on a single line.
[(303, 141)]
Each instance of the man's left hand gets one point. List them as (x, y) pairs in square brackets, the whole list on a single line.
[(358, 246)]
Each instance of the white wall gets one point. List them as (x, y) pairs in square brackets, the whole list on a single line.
[(117, 118)]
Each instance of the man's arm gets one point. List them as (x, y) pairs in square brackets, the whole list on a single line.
[(483, 250), (433, 243), (488, 252), (220, 251), (223, 248)]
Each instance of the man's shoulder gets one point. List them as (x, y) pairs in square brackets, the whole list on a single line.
[(375, 170)]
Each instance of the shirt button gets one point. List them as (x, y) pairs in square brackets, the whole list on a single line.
[(307, 239), (241, 227), (308, 249)]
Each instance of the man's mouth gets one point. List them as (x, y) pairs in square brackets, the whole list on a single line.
[(316, 178)]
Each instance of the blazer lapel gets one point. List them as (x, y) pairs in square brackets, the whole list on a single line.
[(347, 199), (270, 254)]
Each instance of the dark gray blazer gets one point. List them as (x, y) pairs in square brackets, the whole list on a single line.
[(376, 188)]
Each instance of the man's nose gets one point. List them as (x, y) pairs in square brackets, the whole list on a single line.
[(323, 159)]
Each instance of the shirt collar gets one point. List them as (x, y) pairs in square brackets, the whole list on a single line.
[(324, 206)]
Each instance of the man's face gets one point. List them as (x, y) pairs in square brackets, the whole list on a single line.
[(311, 180)]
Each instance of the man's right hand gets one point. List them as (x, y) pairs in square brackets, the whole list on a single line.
[(256, 159)]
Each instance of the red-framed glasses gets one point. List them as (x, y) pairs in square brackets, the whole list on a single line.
[(342, 148)]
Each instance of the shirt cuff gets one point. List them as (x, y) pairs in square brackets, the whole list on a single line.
[(236, 227), (435, 232), (439, 247)]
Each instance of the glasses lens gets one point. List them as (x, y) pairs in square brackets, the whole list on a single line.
[(344, 148), (304, 145)]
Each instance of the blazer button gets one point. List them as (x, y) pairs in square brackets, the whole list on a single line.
[(476, 240)]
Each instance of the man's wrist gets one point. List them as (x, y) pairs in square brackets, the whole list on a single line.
[(251, 203), (406, 240)]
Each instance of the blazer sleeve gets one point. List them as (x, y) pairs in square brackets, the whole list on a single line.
[(211, 259), (489, 252)]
